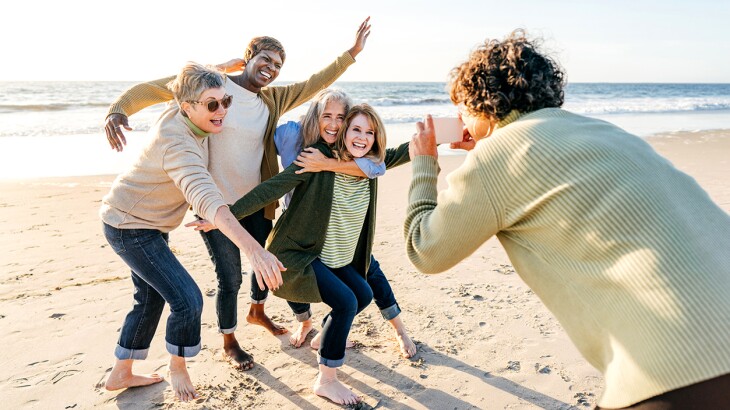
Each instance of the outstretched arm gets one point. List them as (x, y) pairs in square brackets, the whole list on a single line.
[(131, 101), (293, 95)]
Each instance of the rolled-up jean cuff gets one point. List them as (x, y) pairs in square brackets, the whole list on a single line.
[(258, 302), (182, 351), (122, 353), (390, 312), (329, 362), (304, 316), (227, 331)]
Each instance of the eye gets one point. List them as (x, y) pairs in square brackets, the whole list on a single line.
[(278, 66), (370, 133)]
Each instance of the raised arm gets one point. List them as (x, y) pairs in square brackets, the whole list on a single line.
[(138, 97), (293, 95)]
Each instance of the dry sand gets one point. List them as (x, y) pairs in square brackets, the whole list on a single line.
[(484, 339)]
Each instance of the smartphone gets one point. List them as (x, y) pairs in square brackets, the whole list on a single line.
[(447, 129)]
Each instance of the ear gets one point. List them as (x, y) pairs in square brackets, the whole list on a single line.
[(185, 107)]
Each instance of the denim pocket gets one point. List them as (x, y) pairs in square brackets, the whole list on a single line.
[(115, 239)]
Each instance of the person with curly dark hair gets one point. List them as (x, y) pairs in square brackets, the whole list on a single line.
[(629, 253)]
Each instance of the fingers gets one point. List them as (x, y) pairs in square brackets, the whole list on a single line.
[(429, 122), (113, 129)]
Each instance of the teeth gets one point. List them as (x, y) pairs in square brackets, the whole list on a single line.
[(330, 132), (361, 146), (267, 75)]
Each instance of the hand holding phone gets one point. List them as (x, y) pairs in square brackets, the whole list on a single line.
[(447, 129)]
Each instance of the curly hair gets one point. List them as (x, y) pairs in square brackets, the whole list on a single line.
[(501, 76)]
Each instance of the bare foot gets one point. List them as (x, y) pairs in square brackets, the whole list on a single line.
[(314, 344), (298, 337), (180, 380), (329, 387), (407, 348), (236, 356), (121, 377), (257, 316)]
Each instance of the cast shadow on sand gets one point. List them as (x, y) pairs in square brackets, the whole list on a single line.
[(426, 396)]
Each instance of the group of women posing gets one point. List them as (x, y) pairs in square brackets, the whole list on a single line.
[(321, 244)]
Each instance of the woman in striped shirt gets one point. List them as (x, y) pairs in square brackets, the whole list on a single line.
[(325, 237)]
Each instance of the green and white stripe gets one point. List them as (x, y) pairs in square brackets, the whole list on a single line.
[(351, 197)]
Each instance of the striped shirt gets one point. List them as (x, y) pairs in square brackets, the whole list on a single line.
[(350, 199)]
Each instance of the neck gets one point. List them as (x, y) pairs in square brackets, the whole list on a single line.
[(243, 81)]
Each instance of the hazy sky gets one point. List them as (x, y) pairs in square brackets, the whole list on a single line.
[(596, 41)]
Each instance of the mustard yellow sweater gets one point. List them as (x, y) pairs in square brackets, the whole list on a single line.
[(630, 254)]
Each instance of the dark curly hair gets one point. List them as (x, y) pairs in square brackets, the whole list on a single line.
[(501, 76)]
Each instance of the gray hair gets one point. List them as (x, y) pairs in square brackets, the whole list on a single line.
[(193, 79), (310, 121)]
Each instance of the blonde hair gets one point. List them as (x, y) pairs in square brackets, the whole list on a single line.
[(310, 121), (377, 152)]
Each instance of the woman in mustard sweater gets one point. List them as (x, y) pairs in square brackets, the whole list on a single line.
[(629, 253)]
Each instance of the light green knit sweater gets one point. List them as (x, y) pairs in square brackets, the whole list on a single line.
[(629, 253)]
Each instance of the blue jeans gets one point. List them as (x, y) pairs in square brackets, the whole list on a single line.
[(347, 294), (382, 293), (226, 258), (158, 277)]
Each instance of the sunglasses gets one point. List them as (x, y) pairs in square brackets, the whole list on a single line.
[(213, 105)]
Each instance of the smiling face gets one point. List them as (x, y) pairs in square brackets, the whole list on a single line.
[(360, 136), (262, 69), (330, 121), (199, 114)]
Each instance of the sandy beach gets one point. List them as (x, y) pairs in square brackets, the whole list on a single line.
[(484, 339)]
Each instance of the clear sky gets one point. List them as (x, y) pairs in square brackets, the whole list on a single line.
[(596, 41)]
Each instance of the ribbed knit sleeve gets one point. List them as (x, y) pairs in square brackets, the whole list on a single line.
[(141, 96), (442, 229), (186, 168)]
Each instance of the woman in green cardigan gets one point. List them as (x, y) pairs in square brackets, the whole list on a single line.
[(325, 249)]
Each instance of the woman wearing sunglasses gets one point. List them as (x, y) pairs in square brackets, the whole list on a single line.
[(150, 200)]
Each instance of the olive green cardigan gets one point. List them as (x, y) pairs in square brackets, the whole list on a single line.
[(298, 237)]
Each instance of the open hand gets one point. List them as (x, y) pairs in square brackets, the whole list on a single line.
[(113, 128), (362, 36)]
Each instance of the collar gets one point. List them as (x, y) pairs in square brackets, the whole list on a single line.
[(513, 116), (196, 130)]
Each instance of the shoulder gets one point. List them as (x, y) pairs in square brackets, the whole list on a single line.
[(288, 128)]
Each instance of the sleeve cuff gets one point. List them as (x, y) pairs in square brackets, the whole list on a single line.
[(425, 177)]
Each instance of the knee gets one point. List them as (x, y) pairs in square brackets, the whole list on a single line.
[(364, 297), (192, 306)]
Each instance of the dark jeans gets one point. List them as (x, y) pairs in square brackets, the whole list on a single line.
[(382, 294), (709, 394), (158, 277), (347, 294), (226, 258)]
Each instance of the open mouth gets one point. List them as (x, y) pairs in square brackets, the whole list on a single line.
[(217, 122), (265, 75), (359, 145)]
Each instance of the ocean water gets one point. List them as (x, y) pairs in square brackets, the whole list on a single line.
[(56, 128)]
